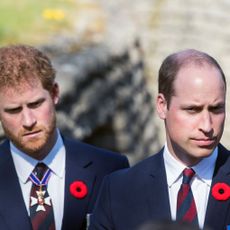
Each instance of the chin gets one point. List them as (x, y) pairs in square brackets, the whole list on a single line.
[(33, 147), (204, 154)]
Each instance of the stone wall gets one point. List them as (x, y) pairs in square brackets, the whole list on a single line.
[(105, 100)]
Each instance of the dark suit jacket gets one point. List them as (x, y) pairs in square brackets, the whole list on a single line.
[(83, 162), (131, 197)]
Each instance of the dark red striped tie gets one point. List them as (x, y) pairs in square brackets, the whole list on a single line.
[(41, 211), (186, 207)]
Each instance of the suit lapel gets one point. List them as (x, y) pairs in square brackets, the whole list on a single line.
[(218, 210), (12, 206), (158, 192), (77, 169)]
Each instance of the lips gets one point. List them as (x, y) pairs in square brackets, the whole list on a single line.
[(205, 142), (33, 133)]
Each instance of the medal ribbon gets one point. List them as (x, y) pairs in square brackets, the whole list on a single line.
[(43, 181)]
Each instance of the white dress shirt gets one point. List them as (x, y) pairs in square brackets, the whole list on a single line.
[(200, 183), (55, 160)]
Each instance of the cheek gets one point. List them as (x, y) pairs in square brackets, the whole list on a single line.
[(45, 111), (12, 124), (179, 125), (46, 115), (180, 120), (218, 122)]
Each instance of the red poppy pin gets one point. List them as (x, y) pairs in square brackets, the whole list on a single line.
[(221, 191), (78, 189)]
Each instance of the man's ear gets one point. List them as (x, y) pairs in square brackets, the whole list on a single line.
[(161, 105), (55, 93)]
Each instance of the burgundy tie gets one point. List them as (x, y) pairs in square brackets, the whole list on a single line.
[(186, 207), (41, 211)]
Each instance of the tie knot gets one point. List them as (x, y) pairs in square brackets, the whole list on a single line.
[(40, 170), (188, 174)]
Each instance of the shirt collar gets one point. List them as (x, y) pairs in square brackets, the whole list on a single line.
[(25, 164), (204, 169)]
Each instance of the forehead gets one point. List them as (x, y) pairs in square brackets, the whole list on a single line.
[(199, 83), (24, 91), (199, 75)]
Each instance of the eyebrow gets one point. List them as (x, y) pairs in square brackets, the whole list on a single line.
[(36, 101), (12, 107)]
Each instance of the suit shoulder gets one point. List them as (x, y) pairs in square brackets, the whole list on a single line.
[(91, 151), (4, 149), (147, 166), (223, 160)]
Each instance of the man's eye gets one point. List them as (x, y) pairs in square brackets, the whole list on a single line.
[(13, 111), (35, 104), (217, 109), (192, 109)]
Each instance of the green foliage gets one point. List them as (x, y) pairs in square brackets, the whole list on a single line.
[(24, 21)]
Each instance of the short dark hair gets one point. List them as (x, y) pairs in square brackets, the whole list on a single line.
[(174, 62), (20, 63)]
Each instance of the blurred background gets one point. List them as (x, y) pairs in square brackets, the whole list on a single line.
[(107, 54)]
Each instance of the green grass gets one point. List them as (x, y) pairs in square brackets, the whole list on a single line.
[(22, 21)]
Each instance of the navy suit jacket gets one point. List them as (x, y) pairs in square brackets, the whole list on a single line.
[(83, 162), (131, 197)]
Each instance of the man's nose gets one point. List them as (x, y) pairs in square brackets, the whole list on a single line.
[(28, 118), (206, 122)]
